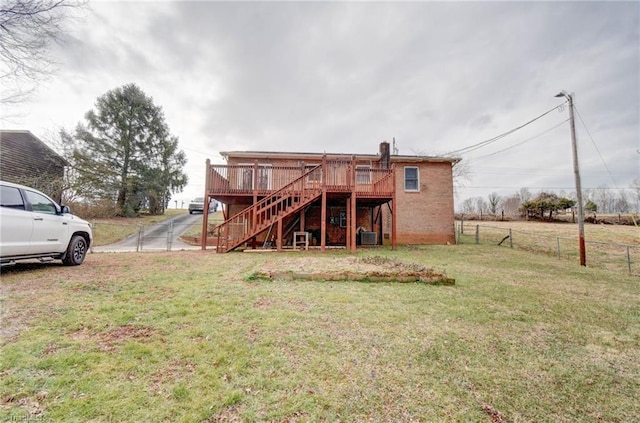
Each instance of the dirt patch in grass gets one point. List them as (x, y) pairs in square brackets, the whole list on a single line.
[(109, 341), (493, 414), (369, 269)]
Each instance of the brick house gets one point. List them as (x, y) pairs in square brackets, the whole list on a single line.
[(25, 159), (278, 199)]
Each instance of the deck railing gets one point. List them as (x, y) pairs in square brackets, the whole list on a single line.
[(258, 217), (335, 175)]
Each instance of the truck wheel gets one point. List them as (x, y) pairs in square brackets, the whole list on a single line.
[(76, 251)]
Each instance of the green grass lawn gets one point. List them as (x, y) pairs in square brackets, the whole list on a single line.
[(189, 336)]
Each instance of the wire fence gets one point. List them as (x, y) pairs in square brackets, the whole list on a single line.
[(610, 256), (110, 236)]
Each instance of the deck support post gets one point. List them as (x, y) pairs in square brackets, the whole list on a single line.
[(279, 239), (323, 207), (205, 215), (254, 216), (354, 211), (352, 227), (393, 211), (347, 229)]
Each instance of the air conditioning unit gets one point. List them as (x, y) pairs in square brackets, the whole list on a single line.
[(368, 238)]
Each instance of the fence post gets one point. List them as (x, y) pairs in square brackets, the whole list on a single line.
[(456, 232), (462, 224), (510, 238), (477, 234), (170, 236), (139, 240), (558, 243), (628, 259)]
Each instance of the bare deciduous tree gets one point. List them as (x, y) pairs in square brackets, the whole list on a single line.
[(494, 202), (635, 187), (27, 30), (511, 203), (461, 171)]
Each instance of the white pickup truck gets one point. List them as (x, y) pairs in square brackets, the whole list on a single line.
[(33, 226)]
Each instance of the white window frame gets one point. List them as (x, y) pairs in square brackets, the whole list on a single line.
[(417, 189), (313, 176), (265, 169), (242, 175), (363, 177)]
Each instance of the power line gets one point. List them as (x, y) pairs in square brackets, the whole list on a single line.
[(201, 152), (498, 137), (594, 144), (521, 142)]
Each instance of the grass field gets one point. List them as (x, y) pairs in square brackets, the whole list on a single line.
[(190, 336), (619, 234), (612, 247)]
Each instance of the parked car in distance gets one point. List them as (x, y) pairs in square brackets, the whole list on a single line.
[(33, 226), (196, 205)]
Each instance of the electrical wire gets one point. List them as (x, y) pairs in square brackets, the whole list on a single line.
[(520, 143), (201, 152), (498, 137), (594, 144)]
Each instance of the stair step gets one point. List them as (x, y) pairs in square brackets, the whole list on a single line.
[(290, 201)]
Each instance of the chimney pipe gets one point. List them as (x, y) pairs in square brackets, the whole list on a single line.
[(385, 156)]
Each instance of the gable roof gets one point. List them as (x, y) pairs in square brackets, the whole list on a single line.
[(23, 141), (25, 159)]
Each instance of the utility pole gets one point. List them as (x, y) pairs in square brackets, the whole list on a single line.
[(576, 173)]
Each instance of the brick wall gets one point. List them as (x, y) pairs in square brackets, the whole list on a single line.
[(426, 216)]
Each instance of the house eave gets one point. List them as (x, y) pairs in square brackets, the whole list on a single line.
[(268, 155)]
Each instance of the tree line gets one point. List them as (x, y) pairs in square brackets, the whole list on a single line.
[(546, 203)]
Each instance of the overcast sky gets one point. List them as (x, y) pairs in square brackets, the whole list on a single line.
[(342, 77)]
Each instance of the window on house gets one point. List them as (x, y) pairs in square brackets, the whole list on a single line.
[(363, 174), (245, 178), (316, 175), (411, 179), (264, 176)]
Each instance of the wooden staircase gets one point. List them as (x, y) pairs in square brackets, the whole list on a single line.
[(260, 216)]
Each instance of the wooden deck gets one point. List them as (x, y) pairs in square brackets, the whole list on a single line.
[(272, 193), (238, 184)]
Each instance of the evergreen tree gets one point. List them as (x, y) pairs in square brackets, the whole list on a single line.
[(125, 152)]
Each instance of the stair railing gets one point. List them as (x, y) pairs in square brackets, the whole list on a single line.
[(260, 216)]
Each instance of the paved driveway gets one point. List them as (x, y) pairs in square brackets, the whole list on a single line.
[(155, 237)]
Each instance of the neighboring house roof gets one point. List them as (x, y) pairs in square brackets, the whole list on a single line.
[(23, 154), (318, 156)]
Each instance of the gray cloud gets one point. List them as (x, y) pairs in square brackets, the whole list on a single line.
[(341, 77)]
